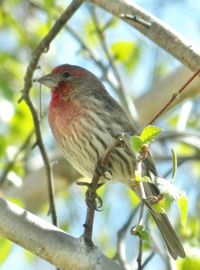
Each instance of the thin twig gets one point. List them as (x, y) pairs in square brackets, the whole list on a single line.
[(148, 259), (100, 35), (12, 162), (138, 172), (140, 221), (139, 257), (120, 253), (174, 96), (41, 48)]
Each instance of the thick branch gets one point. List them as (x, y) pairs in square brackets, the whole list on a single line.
[(159, 32), (49, 242)]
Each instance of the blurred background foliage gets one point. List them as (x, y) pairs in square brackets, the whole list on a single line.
[(125, 61)]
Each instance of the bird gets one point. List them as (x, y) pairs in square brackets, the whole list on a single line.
[(85, 120)]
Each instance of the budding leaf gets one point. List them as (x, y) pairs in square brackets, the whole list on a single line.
[(139, 178), (141, 232), (149, 133), (183, 208), (137, 143), (147, 179)]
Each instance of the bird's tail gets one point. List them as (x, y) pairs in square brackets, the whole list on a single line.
[(170, 237)]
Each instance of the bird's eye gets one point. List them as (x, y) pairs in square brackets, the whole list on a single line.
[(66, 75)]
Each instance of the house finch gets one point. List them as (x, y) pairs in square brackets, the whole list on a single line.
[(85, 121)]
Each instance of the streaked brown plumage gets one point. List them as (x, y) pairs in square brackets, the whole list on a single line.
[(85, 121)]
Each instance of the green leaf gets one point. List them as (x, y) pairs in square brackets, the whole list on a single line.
[(182, 203), (137, 143), (139, 178), (126, 52), (174, 162), (166, 202), (134, 199), (157, 207), (5, 247), (90, 32), (147, 179), (122, 49), (188, 264), (141, 232), (149, 133)]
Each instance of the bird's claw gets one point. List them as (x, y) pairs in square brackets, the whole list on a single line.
[(93, 200), (104, 171)]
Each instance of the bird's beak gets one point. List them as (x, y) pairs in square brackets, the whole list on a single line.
[(49, 80)]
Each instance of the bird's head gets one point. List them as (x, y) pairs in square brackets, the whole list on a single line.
[(67, 78)]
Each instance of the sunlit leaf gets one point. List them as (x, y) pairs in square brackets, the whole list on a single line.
[(48, 3), (166, 202), (122, 50), (150, 133), (188, 264), (183, 208), (110, 252), (138, 177), (191, 231), (5, 247), (135, 200), (16, 201), (141, 232), (90, 32), (146, 179), (126, 52), (42, 29), (158, 207), (137, 143), (22, 115)]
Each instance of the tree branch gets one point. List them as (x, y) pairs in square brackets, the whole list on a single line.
[(10, 164), (158, 32), (121, 247), (41, 48), (49, 242)]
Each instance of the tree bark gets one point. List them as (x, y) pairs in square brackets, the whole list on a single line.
[(159, 32), (49, 242)]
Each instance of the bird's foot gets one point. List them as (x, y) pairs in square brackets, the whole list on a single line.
[(92, 199)]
